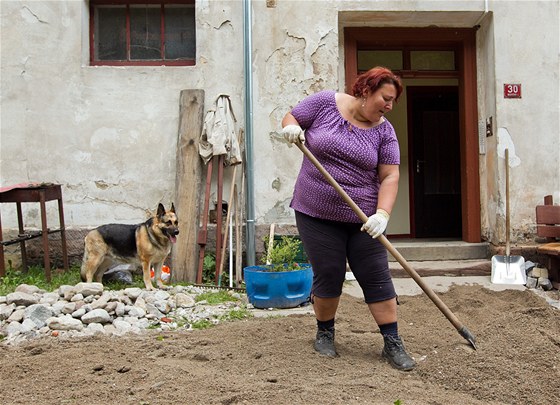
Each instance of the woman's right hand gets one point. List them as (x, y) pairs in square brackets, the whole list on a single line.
[(293, 134)]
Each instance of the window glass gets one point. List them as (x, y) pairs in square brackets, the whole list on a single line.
[(180, 33), (110, 32), (390, 59), (145, 32), (432, 60)]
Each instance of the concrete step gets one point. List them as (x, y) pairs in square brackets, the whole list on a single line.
[(429, 268), (436, 250)]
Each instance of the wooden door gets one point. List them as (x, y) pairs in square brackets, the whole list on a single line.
[(435, 167)]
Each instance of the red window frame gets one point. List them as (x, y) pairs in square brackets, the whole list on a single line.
[(129, 62)]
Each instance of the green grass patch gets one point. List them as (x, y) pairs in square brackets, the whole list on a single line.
[(236, 314), (202, 324), (216, 297), (36, 276)]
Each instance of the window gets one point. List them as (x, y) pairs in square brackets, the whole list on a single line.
[(142, 32), (390, 59), (405, 61)]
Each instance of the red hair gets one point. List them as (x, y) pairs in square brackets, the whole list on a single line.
[(373, 79)]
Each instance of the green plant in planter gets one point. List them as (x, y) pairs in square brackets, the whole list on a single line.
[(281, 257)]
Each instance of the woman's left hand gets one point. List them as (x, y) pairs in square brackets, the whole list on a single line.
[(376, 224)]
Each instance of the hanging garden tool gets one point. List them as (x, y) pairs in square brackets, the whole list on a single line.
[(463, 331), (218, 138)]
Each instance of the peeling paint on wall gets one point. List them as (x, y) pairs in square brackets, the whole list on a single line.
[(505, 142)]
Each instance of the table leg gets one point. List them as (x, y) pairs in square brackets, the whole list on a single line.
[(22, 243), (63, 234), (45, 234), (2, 264)]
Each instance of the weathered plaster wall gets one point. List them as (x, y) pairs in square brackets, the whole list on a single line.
[(529, 126), (108, 134), (506, 54)]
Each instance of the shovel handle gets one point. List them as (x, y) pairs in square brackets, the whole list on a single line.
[(363, 217), (506, 158)]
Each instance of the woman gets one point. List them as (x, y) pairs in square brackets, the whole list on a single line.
[(350, 136)]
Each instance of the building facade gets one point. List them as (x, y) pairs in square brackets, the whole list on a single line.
[(480, 77)]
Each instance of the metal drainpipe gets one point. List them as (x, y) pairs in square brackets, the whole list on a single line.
[(484, 14), (250, 201)]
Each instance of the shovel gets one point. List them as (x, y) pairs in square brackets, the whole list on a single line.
[(508, 269), (463, 331)]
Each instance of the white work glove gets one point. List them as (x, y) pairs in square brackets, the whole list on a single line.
[(293, 133), (376, 224)]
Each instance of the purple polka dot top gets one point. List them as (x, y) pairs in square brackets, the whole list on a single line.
[(351, 156)]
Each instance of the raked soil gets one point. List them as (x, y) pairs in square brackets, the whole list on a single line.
[(271, 360)]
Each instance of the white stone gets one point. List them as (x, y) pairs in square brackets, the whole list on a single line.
[(6, 311), (120, 309), (133, 293), (69, 308), (87, 289), (58, 306), (96, 328), (65, 290), (28, 325), (17, 315), (161, 295), (141, 303), (49, 298), (96, 316), (137, 312), (162, 306), (38, 313), (184, 301), (101, 302), (21, 298), (79, 313), (77, 297), (111, 306), (122, 326), (29, 289), (65, 323), (14, 328)]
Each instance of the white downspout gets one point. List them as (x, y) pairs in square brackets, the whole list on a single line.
[(483, 14), (250, 200)]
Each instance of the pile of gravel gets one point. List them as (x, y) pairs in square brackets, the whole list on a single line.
[(88, 309)]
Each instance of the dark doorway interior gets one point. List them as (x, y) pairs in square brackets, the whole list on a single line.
[(435, 168)]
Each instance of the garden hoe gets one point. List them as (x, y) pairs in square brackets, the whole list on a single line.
[(463, 331)]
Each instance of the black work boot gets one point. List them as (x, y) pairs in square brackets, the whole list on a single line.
[(324, 343), (396, 354)]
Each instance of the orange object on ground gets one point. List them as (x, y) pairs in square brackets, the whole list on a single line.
[(165, 274)]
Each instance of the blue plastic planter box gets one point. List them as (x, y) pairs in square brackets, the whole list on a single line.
[(278, 289)]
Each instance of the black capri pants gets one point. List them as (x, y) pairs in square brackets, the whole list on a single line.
[(328, 244)]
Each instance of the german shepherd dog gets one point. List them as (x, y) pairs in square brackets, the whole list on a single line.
[(147, 244)]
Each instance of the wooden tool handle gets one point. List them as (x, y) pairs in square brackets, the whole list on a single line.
[(507, 202), (402, 261)]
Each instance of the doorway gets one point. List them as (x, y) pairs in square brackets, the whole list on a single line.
[(443, 194), (434, 168)]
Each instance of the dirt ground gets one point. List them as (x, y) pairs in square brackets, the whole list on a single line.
[(271, 360)]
